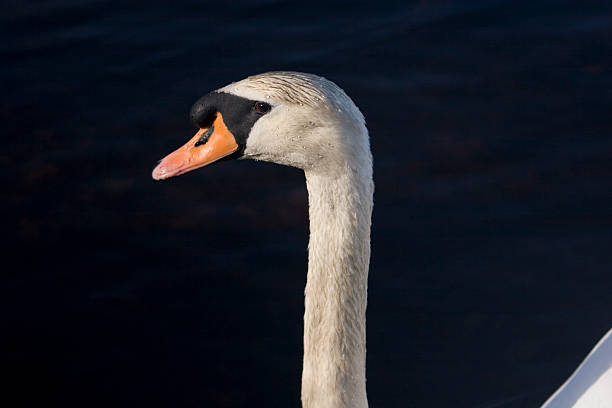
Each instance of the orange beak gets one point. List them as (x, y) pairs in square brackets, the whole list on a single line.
[(220, 143)]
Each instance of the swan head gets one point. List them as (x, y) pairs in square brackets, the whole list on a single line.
[(289, 118)]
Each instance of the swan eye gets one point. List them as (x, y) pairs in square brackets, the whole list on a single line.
[(262, 107)]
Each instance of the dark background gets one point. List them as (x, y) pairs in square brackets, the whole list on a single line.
[(491, 273)]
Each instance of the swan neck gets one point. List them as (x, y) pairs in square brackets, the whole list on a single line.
[(340, 208)]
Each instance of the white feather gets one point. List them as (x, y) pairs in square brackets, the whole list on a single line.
[(316, 127), (590, 386)]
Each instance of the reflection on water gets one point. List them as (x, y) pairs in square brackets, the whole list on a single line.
[(491, 136)]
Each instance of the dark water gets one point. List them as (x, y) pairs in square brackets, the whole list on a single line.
[(491, 273)]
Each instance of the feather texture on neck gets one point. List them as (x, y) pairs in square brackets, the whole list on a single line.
[(340, 208)]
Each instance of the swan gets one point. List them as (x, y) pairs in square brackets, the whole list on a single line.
[(308, 122), (305, 121), (590, 386)]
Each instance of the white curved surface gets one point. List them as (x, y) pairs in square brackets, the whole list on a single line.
[(590, 386)]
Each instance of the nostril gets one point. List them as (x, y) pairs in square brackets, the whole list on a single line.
[(205, 136)]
